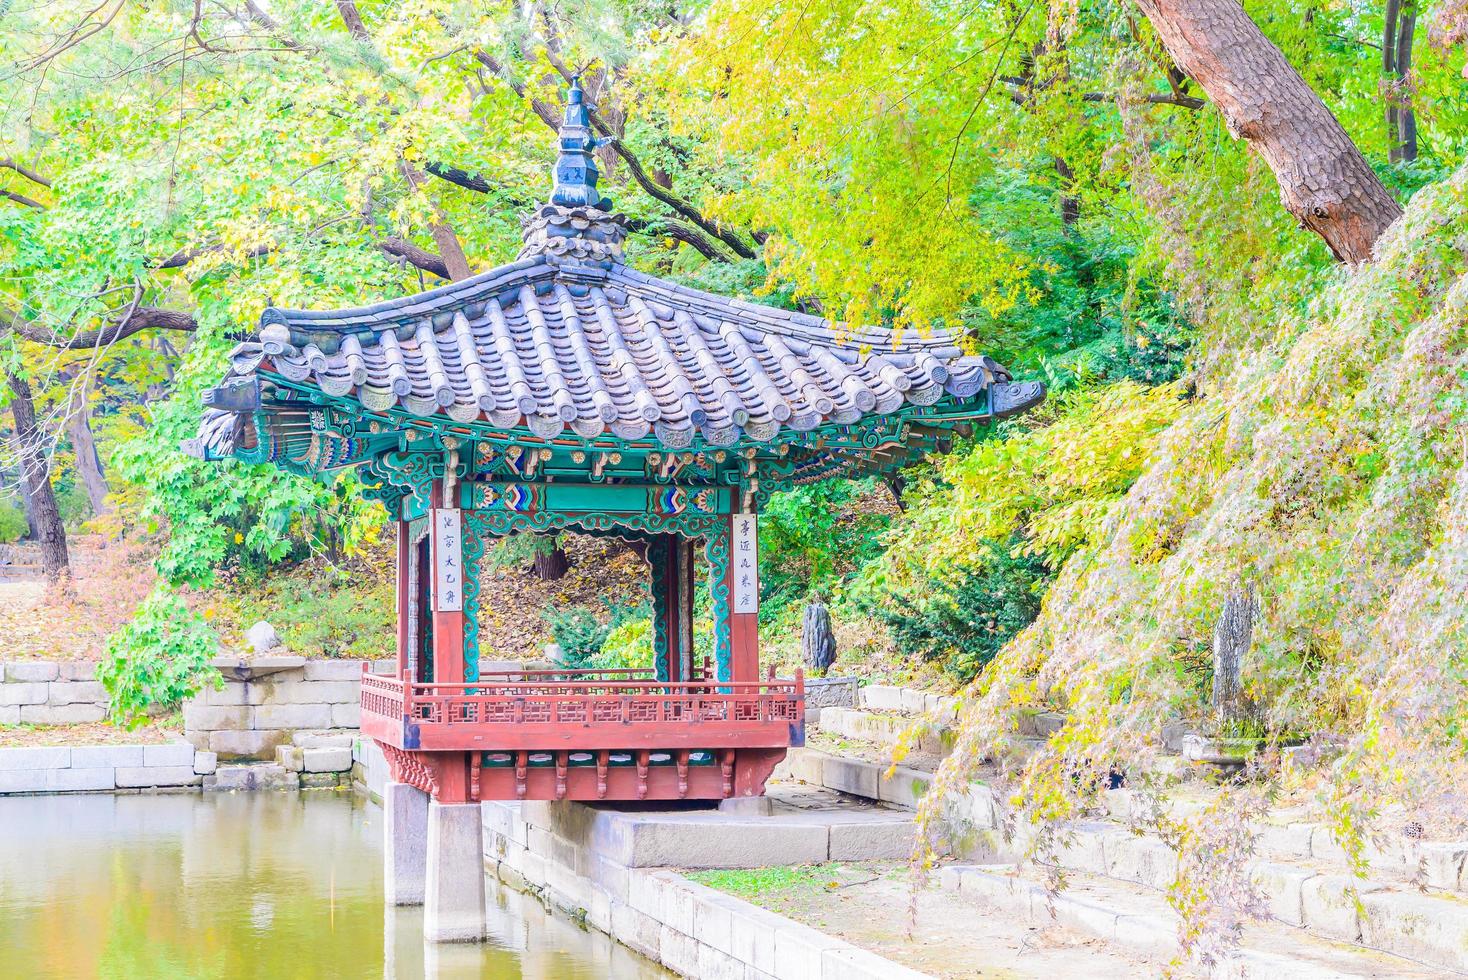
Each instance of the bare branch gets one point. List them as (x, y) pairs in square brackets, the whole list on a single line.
[(400, 248), (9, 163), (135, 320), (462, 178), (22, 199)]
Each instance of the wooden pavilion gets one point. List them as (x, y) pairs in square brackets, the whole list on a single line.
[(566, 390)]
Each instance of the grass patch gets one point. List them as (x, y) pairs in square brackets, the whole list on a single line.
[(779, 885)]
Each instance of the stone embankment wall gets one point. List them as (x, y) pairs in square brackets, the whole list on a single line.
[(40, 692), (266, 700), (102, 768), (607, 869)]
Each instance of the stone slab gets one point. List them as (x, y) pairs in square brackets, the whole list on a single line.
[(174, 754), (205, 763), (250, 745), (56, 780), (292, 716), (904, 787), (251, 777), (312, 692), (102, 756), (346, 715), (873, 840), (750, 842), (17, 671), (213, 718), (881, 697), (138, 776), (850, 776), (1423, 927), (23, 693), (290, 757), (35, 758), (334, 670), (320, 780), (327, 759), (77, 670), (9, 714), (62, 714), (323, 740), (76, 692)]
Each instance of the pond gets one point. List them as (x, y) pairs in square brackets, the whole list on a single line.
[(232, 885)]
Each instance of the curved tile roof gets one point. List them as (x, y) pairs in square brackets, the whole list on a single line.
[(595, 350), (567, 338)]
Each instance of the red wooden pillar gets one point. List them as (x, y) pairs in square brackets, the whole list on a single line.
[(446, 569), (743, 581)]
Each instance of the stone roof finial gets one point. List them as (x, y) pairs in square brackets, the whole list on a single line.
[(576, 223), (575, 172)]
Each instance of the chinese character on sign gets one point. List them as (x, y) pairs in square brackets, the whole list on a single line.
[(746, 567), (448, 556)]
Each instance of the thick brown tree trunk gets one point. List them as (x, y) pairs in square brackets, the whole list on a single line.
[(1324, 181), (35, 481), (88, 463)]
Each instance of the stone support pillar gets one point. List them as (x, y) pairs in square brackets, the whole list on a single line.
[(405, 843), (453, 902)]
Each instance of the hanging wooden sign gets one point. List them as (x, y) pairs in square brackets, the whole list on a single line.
[(744, 560), (448, 561)]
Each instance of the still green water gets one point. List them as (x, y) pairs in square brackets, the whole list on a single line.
[(235, 885)]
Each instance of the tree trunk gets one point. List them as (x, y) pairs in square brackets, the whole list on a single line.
[(35, 481), (1324, 181), (88, 463), (1070, 205), (817, 644), (1398, 25), (551, 565), (1232, 636)]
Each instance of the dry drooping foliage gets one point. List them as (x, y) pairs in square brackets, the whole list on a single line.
[(1329, 473)]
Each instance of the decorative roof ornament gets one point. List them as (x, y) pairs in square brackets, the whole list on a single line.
[(575, 171), (576, 224)]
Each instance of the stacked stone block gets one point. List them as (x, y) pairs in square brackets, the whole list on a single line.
[(320, 758), (43, 692), (99, 768), (265, 701)]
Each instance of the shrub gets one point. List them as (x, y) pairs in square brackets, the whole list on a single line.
[(158, 659), (962, 623), (13, 525), (629, 645), (581, 635)]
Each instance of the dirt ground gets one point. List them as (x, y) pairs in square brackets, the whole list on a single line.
[(100, 733)]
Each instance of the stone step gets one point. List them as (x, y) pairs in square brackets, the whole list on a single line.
[(1140, 919), (887, 729), (1106, 846), (1310, 893)]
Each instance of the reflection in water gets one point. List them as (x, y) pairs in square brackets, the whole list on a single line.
[(244, 885)]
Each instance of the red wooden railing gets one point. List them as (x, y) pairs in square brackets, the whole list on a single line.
[(599, 710)]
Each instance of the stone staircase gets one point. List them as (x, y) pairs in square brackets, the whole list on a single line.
[(1408, 918)]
